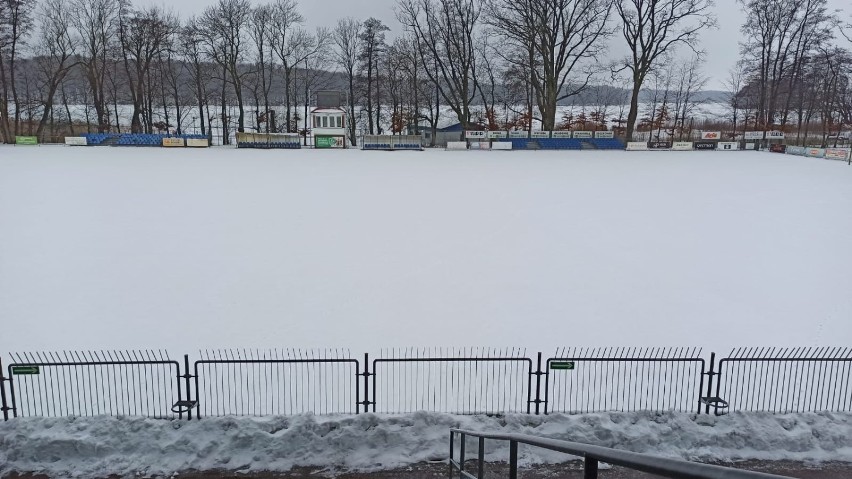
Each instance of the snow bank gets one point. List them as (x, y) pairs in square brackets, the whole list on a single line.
[(87, 447)]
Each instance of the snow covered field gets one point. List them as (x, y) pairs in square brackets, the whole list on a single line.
[(98, 447), (107, 248)]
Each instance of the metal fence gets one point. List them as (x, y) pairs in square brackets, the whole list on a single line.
[(451, 380), (784, 380), (458, 380), (624, 379)]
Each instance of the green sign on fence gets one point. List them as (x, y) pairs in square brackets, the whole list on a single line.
[(21, 370), (26, 140), (563, 365)]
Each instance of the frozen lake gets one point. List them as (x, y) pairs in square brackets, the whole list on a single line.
[(108, 248)]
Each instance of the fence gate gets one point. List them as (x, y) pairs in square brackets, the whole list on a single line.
[(452, 380), (276, 382), (624, 379), (783, 380), (93, 383)]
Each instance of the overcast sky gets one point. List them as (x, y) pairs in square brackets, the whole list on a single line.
[(721, 44)]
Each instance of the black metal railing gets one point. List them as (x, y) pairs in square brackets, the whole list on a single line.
[(460, 381), (93, 383), (592, 456), (456, 380), (624, 379), (784, 380), (276, 382)]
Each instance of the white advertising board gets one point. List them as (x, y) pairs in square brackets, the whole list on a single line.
[(501, 145), (583, 134), (711, 135), (774, 135), (753, 135), (517, 134), (197, 142), (636, 146), (815, 152), (728, 145), (604, 134), (456, 145), (837, 153), (470, 134), (76, 140), (561, 134), (682, 146), (540, 134), (496, 134)]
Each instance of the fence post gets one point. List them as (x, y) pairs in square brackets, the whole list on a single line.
[(590, 468), (538, 374), (461, 454), (367, 375), (3, 380), (710, 375), (186, 377), (452, 437), (480, 462), (513, 459)]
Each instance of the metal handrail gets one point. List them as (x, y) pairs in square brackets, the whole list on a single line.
[(661, 466)]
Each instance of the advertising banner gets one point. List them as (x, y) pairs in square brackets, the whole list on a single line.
[(26, 140), (751, 146), (518, 134), (456, 145), (76, 141), (682, 146), (328, 141), (636, 146), (659, 145), (470, 134), (796, 150), (604, 134), (197, 143), (173, 142), (778, 148), (496, 134), (815, 152), (711, 135), (705, 145), (837, 153), (774, 135), (501, 145), (728, 145), (561, 134), (583, 134), (480, 145), (753, 135), (540, 134)]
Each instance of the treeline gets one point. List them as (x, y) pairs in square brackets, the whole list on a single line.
[(495, 64)]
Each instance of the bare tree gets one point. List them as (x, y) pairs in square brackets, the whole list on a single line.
[(372, 47), (260, 32), (347, 41), (55, 52), (446, 31), (562, 39), (16, 25), (190, 45), (652, 30), (226, 23)]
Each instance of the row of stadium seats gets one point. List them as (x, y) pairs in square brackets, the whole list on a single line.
[(134, 139)]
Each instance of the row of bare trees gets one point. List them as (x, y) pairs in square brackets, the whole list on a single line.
[(61, 60), (793, 72)]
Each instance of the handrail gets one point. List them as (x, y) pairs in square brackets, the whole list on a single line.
[(661, 466)]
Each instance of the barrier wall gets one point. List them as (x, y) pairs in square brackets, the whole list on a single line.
[(391, 142), (266, 141)]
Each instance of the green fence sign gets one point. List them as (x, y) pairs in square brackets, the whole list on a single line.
[(22, 370), (562, 365), (329, 142), (26, 140)]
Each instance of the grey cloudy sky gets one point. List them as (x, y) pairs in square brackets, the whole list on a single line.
[(720, 45)]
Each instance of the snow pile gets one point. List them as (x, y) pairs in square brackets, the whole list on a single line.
[(126, 446)]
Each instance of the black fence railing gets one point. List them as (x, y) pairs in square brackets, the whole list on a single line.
[(459, 381), (592, 456), (624, 379), (785, 380)]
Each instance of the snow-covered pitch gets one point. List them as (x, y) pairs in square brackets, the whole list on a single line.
[(109, 248)]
